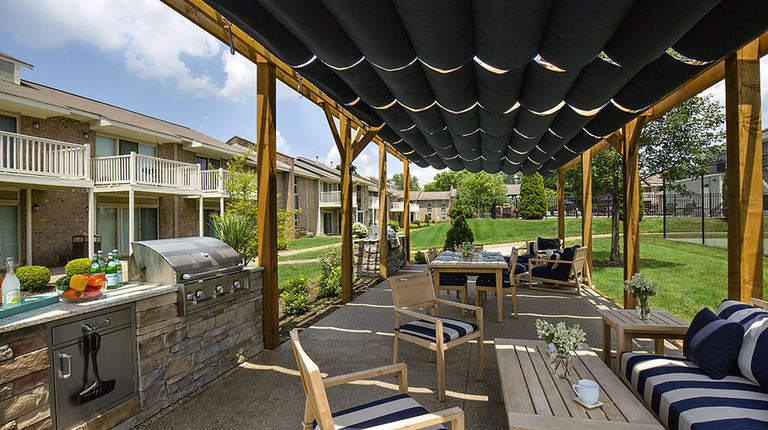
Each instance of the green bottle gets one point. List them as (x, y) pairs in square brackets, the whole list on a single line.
[(102, 263), (95, 266), (111, 272)]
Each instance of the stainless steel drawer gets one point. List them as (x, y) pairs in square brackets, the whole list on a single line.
[(105, 321)]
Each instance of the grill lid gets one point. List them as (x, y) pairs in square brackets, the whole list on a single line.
[(181, 259)]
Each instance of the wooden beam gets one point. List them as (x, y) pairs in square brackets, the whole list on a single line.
[(383, 212), (586, 206), (630, 139), (561, 205), (347, 257), (744, 157), (332, 125), (599, 146), (359, 144), (407, 210), (266, 168)]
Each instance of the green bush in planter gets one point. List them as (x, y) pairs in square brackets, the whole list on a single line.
[(78, 266), (33, 278)]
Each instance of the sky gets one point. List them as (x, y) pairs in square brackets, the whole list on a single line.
[(142, 56)]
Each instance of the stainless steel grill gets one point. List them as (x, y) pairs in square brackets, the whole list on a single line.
[(207, 270)]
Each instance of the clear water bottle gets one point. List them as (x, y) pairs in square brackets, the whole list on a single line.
[(111, 272), (95, 266), (11, 287)]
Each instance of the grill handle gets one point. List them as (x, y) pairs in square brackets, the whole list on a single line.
[(187, 276)]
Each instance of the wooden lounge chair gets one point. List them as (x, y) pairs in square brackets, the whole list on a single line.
[(510, 278), (450, 281), (396, 412), (571, 271), (437, 334)]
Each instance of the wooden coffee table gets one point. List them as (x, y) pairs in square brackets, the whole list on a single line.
[(536, 399), (661, 325)]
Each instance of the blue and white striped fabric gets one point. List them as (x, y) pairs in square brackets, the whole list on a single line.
[(733, 310), (380, 412), (684, 398), (452, 329)]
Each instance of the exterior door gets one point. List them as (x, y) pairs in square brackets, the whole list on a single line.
[(327, 223)]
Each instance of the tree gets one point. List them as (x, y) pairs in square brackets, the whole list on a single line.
[(533, 200), (480, 190), (458, 233), (352, 168), (397, 181), (682, 143), (443, 181)]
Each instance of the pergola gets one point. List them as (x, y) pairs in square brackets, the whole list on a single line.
[(507, 86)]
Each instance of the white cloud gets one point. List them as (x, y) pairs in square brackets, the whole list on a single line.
[(282, 145), (332, 157), (154, 40), (424, 174)]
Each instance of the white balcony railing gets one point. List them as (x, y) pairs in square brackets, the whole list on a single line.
[(413, 207), (213, 180), (137, 169), (36, 156), (396, 206), (333, 199), (373, 202)]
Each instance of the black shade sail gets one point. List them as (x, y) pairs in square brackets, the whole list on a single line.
[(497, 85)]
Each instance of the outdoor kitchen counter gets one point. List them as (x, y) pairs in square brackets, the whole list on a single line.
[(125, 294)]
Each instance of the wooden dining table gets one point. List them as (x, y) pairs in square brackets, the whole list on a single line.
[(477, 263)]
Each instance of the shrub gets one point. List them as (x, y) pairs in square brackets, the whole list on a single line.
[(415, 226), (457, 209), (78, 266), (424, 224), (295, 295), (33, 278), (426, 218), (299, 281), (394, 224), (419, 258), (330, 259), (330, 286), (458, 233), (359, 230), (238, 231), (533, 200)]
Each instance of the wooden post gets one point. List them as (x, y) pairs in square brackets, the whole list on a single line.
[(267, 197), (586, 205), (407, 209), (383, 212), (631, 189), (561, 206), (347, 257), (744, 155)]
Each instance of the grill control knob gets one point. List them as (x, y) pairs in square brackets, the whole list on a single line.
[(236, 284), (219, 289), (199, 294), (190, 296)]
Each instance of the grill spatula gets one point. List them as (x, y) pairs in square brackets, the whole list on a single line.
[(99, 388)]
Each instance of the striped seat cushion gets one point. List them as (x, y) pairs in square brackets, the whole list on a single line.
[(385, 411), (452, 329), (685, 398), (754, 348), (733, 310)]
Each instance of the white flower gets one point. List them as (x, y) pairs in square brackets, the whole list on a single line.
[(563, 338), (641, 287)]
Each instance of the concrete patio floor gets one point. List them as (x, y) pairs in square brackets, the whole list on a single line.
[(265, 392)]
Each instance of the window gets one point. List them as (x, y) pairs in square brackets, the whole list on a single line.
[(208, 163), (7, 123), (127, 146), (214, 163), (105, 147), (203, 162)]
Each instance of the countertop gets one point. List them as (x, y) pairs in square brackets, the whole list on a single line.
[(126, 294)]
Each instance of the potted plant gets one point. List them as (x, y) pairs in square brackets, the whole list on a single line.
[(641, 288), (562, 340)]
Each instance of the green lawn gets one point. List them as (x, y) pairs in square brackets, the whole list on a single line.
[(690, 277), (287, 271), (309, 242), (308, 255)]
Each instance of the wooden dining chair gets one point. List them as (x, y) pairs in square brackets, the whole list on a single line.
[(510, 279), (477, 248), (450, 281), (438, 334), (399, 411)]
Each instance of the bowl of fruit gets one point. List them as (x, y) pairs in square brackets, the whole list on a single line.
[(81, 288)]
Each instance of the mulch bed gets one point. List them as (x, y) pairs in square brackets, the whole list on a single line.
[(607, 263)]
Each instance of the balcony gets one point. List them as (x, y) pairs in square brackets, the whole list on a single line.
[(145, 173), (400, 207), (332, 199), (373, 202), (212, 181), (33, 160)]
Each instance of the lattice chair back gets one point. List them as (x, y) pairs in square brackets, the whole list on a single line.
[(579, 260), (312, 382), (513, 254), (413, 290)]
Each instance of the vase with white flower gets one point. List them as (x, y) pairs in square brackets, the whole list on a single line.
[(641, 288), (562, 341)]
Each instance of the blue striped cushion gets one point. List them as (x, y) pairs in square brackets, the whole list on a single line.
[(385, 411), (753, 357), (713, 343), (452, 329), (453, 279), (685, 398), (733, 310)]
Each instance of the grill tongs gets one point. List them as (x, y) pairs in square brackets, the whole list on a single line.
[(99, 388)]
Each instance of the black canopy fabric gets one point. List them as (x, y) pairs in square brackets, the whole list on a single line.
[(497, 85)]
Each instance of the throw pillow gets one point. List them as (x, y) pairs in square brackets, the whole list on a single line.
[(556, 256), (533, 247), (713, 343), (544, 244), (746, 315), (754, 353)]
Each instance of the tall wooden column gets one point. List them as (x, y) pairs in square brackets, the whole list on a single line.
[(407, 209), (561, 205), (383, 212), (586, 205), (744, 155), (631, 190), (267, 199), (347, 258)]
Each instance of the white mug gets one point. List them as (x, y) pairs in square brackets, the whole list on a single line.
[(587, 390)]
